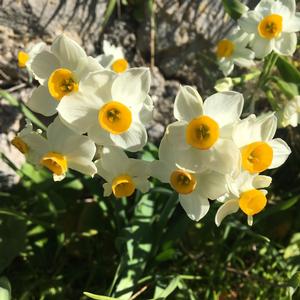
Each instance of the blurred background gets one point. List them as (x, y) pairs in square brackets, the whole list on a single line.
[(60, 239)]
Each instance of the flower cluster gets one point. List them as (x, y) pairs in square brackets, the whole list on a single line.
[(271, 26), (209, 153)]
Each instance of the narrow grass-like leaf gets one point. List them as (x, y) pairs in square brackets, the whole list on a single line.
[(287, 70), (22, 108), (234, 8)]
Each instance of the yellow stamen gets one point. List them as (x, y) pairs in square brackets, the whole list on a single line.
[(183, 182), (202, 132), (270, 27), (120, 65), (20, 145), (23, 57), (55, 162), (115, 117), (61, 83), (123, 186), (225, 48), (256, 157), (252, 202)]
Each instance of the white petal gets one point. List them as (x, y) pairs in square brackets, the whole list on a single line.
[(79, 146), (284, 8), (42, 102), (100, 136), (68, 52), (79, 111), (58, 177), (293, 24), (38, 146), (262, 47), (134, 139), (249, 21), (281, 152), (146, 112), (188, 104), (139, 168), (226, 66), (107, 175), (268, 126), (225, 157), (211, 185), (161, 170), (142, 184), (107, 189), (132, 86), (286, 44), (43, 64), (194, 205), (86, 65), (57, 135), (228, 208), (82, 165), (264, 7), (224, 107), (261, 181), (115, 161), (244, 57), (250, 220), (175, 135), (98, 84)]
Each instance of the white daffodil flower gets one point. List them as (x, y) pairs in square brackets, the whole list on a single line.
[(113, 58), (259, 151), (274, 25), (245, 192), (65, 149), (290, 114), (26, 57), (31, 143), (112, 108), (59, 72), (123, 175), (194, 188), (203, 130), (232, 51)]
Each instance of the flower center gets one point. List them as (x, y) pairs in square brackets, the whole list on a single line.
[(120, 65), (20, 145), (252, 202), (23, 57), (256, 157), (225, 48), (202, 132), (115, 117), (55, 162), (61, 83), (270, 26), (183, 182), (123, 186)]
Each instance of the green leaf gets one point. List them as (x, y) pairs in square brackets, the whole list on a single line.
[(137, 248), (108, 12), (172, 286), (5, 289), (287, 70), (234, 8), (98, 297), (22, 108), (288, 88), (294, 283), (13, 234)]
